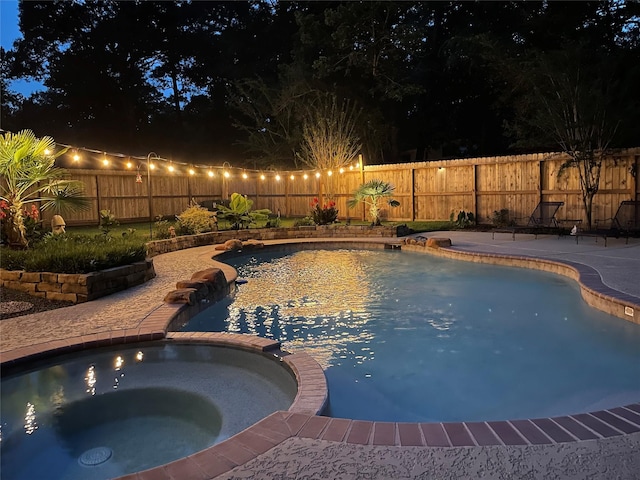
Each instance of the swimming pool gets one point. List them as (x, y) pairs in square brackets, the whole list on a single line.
[(407, 337), (105, 413)]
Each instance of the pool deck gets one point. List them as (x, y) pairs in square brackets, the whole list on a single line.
[(583, 447)]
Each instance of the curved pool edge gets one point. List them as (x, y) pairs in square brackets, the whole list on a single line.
[(593, 290), (301, 422)]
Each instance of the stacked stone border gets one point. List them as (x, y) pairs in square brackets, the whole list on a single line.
[(158, 247), (78, 287)]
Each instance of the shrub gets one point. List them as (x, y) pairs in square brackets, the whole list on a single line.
[(162, 228), (195, 219), (304, 222), (107, 221), (500, 218), (68, 253), (325, 214), (464, 219), (239, 212)]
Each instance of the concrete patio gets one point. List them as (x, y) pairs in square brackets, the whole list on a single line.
[(615, 457)]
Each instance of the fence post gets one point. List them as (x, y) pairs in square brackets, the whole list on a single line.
[(98, 199), (413, 194)]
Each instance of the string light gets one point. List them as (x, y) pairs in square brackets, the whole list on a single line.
[(226, 169)]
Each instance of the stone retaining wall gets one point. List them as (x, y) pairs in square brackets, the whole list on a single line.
[(158, 247), (80, 287)]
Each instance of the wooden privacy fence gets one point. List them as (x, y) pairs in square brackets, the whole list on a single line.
[(426, 190)]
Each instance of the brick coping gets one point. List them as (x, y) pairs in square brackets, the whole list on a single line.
[(302, 422)]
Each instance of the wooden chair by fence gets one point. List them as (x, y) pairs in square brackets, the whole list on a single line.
[(624, 223), (543, 218)]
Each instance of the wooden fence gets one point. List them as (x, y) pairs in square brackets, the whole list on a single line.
[(425, 190)]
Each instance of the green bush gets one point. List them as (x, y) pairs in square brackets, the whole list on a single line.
[(500, 218), (195, 219), (464, 219), (107, 221), (304, 222), (75, 254), (162, 228)]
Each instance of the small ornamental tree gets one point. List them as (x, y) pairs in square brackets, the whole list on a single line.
[(371, 194), (29, 175)]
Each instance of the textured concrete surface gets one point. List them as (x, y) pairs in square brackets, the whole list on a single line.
[(300, 458)]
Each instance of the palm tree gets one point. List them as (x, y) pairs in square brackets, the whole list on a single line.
[(29, 174), (370, 194)]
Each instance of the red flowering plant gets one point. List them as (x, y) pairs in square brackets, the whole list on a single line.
[(32, 223), (323, 214)]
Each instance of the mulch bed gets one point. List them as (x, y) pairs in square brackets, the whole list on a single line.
[(14, 303)]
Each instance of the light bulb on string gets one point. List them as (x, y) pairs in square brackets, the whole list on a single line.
[(170, 168), (152, 166), (305, 176), (342, 170), (192, 171), (277, 177), (105, 160), (262, 177), (292, 177), (244, 175), (317, 174), (76, 156), (129, 164), (329, 173), (210, 173)]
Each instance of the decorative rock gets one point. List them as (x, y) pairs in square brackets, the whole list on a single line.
[(252, 244), (184, 295), (438, 242), (213, 276), (202, 287), (233, 244)]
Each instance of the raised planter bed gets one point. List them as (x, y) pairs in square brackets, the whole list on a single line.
[(78, 287)]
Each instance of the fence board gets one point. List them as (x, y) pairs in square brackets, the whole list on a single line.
[(426, 190)]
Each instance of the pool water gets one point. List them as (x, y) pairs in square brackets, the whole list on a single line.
[(107, 413), (414, 338)]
